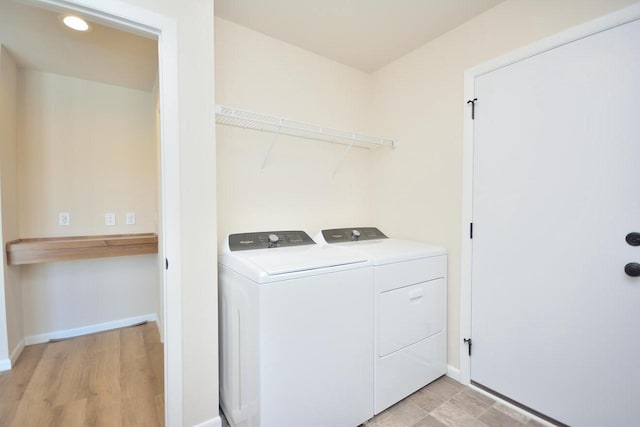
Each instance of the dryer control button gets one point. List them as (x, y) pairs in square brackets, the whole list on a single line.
[(355, 234)]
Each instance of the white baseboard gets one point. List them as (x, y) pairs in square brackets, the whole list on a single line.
[(213, 422), (5, 364), (453, 373), (90, 329), (17, 351)]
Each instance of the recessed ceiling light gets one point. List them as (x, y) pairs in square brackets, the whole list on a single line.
[(75, 23)]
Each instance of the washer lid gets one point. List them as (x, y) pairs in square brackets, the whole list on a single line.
[(298, 259), (289, 262)]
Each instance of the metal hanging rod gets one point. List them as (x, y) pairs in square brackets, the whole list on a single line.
[(265, 123)]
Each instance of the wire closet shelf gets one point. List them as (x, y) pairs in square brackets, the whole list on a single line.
[(278, 125)]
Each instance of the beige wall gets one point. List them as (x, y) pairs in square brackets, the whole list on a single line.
[(11, 328), (67, 295), (297, 188), (85, 148), (419, 99)]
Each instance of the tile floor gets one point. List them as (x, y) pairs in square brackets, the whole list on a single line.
[(446, 402)]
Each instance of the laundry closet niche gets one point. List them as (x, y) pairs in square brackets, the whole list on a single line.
[(86, 144)]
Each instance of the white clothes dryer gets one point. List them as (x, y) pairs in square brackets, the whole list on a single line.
[(296, 328), (410, 310)]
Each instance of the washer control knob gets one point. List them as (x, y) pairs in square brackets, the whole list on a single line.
[(355, 234), (273, 240)]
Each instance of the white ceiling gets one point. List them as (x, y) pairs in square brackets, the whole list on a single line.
[(38, 40), (365, 34)]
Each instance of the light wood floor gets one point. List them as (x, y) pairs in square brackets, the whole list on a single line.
[(112, 379)]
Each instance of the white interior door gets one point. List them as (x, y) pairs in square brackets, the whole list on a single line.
[(556, 188)]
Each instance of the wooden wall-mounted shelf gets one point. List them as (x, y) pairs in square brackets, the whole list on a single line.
[(53, 249)]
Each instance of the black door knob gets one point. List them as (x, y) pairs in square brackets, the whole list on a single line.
[(632, 269), (633, 239)]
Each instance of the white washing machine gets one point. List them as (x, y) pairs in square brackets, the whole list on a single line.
[(410, 310), (296, 328)]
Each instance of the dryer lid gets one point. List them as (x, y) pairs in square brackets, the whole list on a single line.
[(395, 250), (377, 246)]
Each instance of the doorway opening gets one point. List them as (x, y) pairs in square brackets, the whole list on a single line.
[(89, 161)]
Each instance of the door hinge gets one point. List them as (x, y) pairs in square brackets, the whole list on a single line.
[(473, 107), (471, 230), (166, 264), (468, 342)]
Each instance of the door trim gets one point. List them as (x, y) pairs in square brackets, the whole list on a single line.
[(623, 16), (128, 17)]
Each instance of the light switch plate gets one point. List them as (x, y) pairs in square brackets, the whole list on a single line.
[(64, 218), (109, 219), (131, 218)]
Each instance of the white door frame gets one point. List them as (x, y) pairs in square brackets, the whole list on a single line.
[(124, 15), (604, 23)]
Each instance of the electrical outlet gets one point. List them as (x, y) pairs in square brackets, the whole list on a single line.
[(109, 219), (64, 218), (131, 218)]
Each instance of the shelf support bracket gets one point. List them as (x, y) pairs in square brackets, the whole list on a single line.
[(266, 156), (341, 161)]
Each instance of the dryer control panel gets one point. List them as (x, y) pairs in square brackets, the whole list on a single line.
[(340, 235), (268, 239)]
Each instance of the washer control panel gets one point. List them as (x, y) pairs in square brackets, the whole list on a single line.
[(268, 239), (340, 235)]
